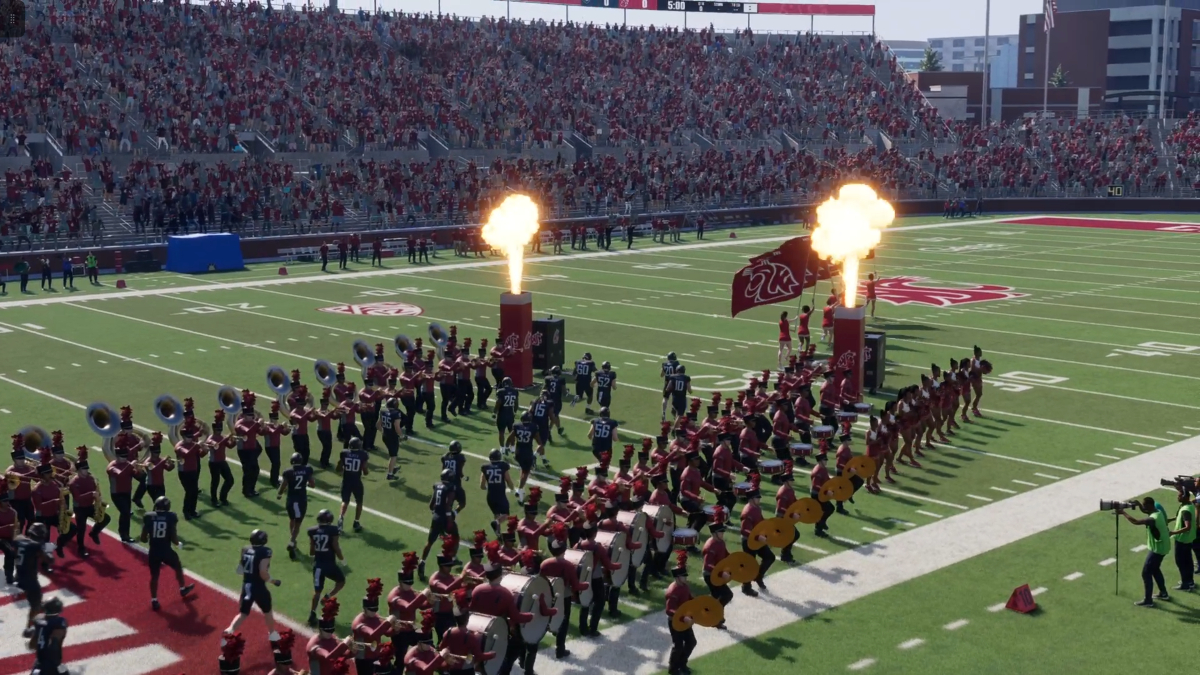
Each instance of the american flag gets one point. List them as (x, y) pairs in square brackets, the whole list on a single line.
[(1051, 10)]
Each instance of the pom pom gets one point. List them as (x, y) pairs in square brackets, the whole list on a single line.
[(232, 645), (286, 639), (449, 546), (480, 538), (329, 609), (512, 524), (411, 560), (535, 496), (374, 589)]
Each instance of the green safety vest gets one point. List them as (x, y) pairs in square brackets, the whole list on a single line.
[(91, 261), (1162, 543), (1190, 535)]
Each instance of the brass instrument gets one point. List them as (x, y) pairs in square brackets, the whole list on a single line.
[(101, 511), (439, 337), (326, 372), (402, 344), (35, 439), (230, 400), (170, 412), (363, 354), (103, 420), (64, 514)]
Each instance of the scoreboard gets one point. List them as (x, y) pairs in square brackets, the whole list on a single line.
[(721, 7)]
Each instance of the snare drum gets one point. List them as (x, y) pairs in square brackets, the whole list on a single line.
[(685, 536), (801, 449), (822, 432), (583, 561), (618, 553), (743, 488), (638, 534), (493, 634), (528, 591), (710, 511), (862, 408), (847, 417), (770, 467), (664, 524)]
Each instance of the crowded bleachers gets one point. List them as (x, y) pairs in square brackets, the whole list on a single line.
[(168, 117)]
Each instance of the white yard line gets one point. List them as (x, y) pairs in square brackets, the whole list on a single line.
[(858, 665), (982, 499), (1073, 576), (1128, 452), (1107, 561), (931, 514), (955, 625), (910, 644), (1047, 476), (825, 583), (1025, 483), (1107, 457), (1147, 445), (1004, 490)]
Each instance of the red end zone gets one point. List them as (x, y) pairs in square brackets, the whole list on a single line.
[(113, 630), (1110, 224)]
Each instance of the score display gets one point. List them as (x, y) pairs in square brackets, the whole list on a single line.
[(720, 7)]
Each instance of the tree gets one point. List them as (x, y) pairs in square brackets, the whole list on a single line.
[(1059, 77), (930, 63)]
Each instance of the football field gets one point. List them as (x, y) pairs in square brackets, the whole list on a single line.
[(1091, 325)]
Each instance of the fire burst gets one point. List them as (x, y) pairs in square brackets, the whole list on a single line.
[(848, 227), (509, 227)]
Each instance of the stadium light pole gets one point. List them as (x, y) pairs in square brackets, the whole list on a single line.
[(987, 50), (1162, 81)]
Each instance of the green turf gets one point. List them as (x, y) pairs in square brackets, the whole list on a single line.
[(1091, 294)]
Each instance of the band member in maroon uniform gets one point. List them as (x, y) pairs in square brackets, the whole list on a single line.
[(558, 567), (752, 515), (188, 453), (273, 432), (300, 415), (817, 479), (156, 467), (218, 444), (785, 496), (121, 477), (682, 642), (248, 428), (612, 500), (714, 552), (8, 536), (369, 629), (443, 584), (785, 337), (690, 484), (409, 381), (324, 418), (84, 494), (602, 569), (324, 648), (462, 649), (493, 599), (129, 441), (25, 474), (47, 503), (403, 605), (479, 366), (423, 659), (368, 407)]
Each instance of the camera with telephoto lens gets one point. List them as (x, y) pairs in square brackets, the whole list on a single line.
[(1182, 482), (1107, 505)]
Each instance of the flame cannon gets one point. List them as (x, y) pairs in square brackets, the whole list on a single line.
[(509, 229)]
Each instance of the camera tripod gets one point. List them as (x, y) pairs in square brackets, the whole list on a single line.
[(1117, 554)]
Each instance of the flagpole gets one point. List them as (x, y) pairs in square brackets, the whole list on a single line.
[(1046, 73), (987, 50)]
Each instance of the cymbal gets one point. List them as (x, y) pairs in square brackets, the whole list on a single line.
[(837, 490), (705, 610), (861, 466), (741, 566), (778, 533), (807, 511)]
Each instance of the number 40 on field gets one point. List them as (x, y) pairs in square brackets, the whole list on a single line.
[(1157, 349)]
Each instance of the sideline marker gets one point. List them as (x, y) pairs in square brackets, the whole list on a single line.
[(283, 271), (120, 283), (1021, 600)]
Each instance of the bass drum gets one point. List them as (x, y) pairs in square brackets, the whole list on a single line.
[(664, 523), (559, 588), (528, 590), (618, 553), (493, 637), (583, 561), (636, 522)]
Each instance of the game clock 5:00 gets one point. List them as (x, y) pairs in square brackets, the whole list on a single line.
[(12, 19), (677, 5)]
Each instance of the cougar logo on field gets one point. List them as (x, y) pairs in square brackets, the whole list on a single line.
[(906, 290), (771, 282)]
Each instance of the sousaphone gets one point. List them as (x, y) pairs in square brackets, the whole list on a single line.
[(326, 372), (35, 439), (104, 421), (438, 336), (230, 400), (403, 344), (170, 412)]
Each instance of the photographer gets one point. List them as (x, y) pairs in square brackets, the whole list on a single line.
[(1159, 543), (1184, 535)]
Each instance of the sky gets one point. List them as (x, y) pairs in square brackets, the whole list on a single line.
[(895, 19)]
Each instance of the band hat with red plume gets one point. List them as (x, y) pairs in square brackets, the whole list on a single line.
[(510, 533), (626, 457), (681, 560), (602, 468), (664, 433), (564, 490), (581, 474), (326, 394), (529, 560), (462, 601), (189, 407), (282, 648), (754, 492), (374, 590), (248, 399), (295, 378), (329, 612), (612, 495), (126, 418), (408, 567), (56, 441), (427, 623), (480, 540), (493, 566), (81, 463), (339, 666), (558, 540), (274, 409), (532, 501), (379, 351), (384, 657), (218, 418), (644, 453), (232, 646), (694, 404), (156, 440), (341, 371), (716, 524), (787, 471), (449, 551), (591, 514)]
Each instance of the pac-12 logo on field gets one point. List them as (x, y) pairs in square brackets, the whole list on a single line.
[(376, 309), (907, 290)]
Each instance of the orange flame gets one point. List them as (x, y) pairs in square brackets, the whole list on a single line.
[(509, 227), (848, 227)]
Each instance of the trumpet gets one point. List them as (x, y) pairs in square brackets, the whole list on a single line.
[(438, 336), (170, 412), (363, 354), (230, 400), (325, 372), (103, 420)]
